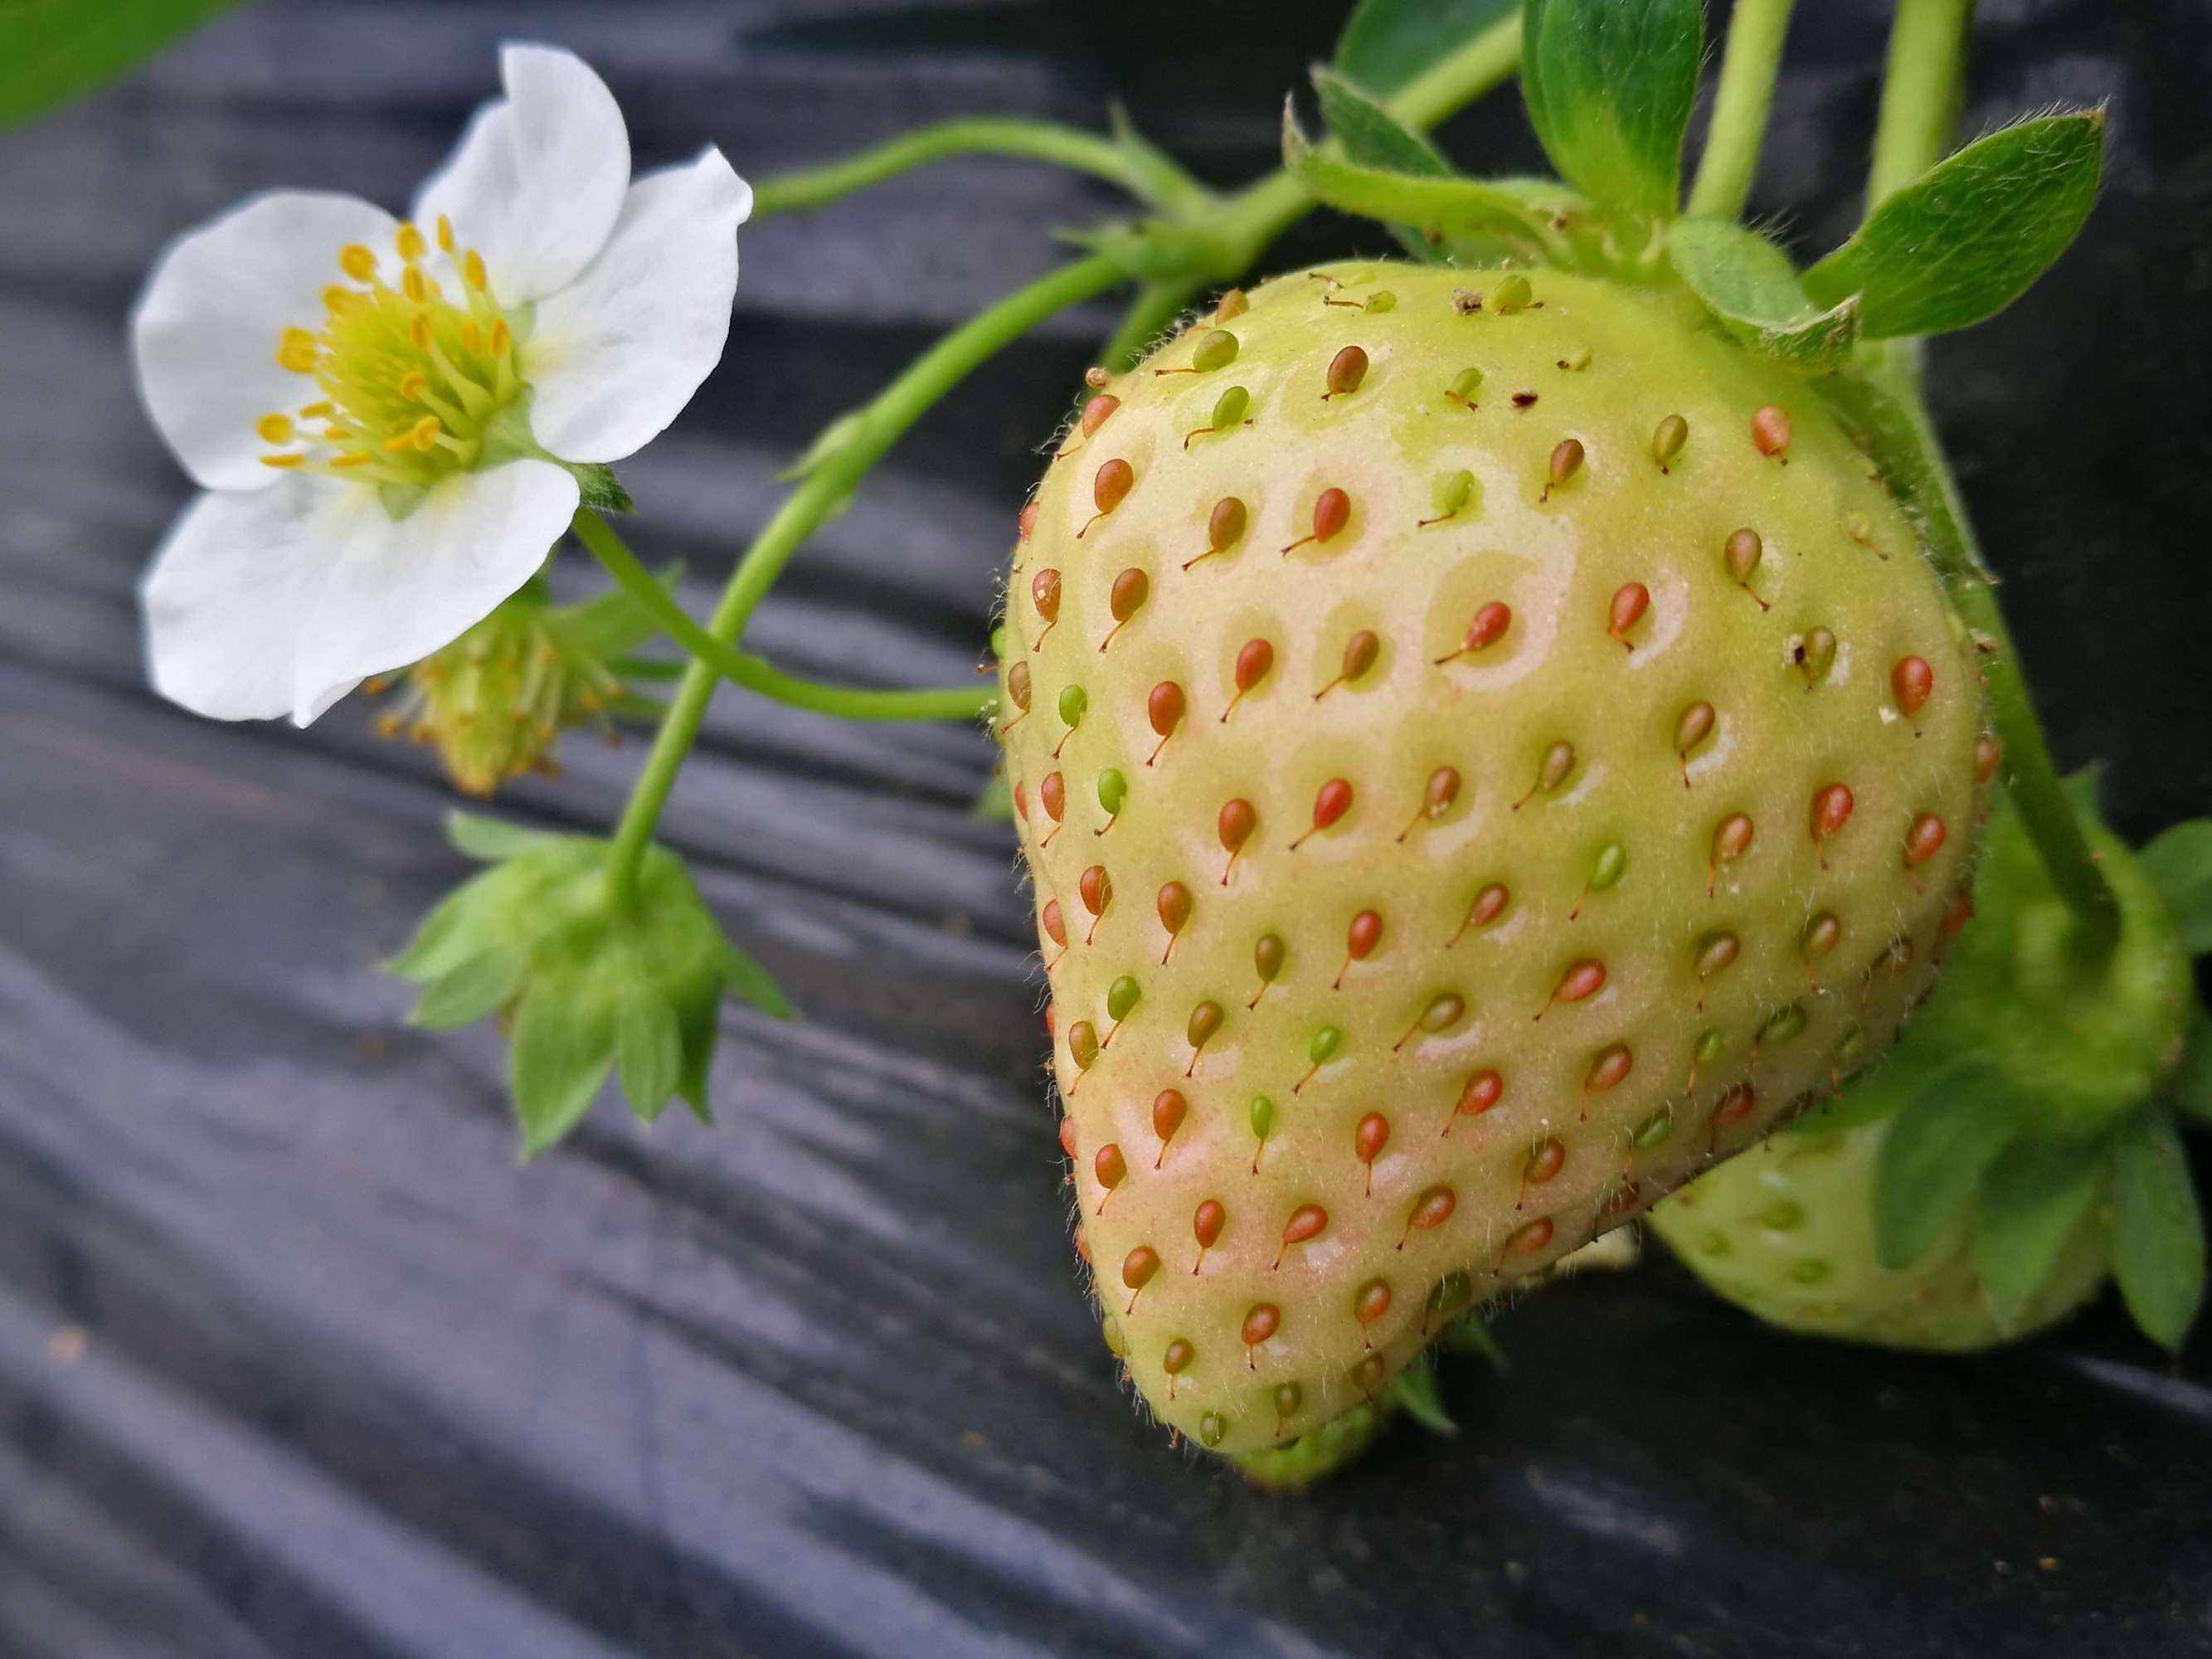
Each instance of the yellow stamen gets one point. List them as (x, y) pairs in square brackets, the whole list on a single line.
[(357, 262), (471, 337), (500, 339), (316, 411), (299, 359), (335, 434), (336, 298), (413, 384), (409, 240), (445, 233), (282, 462), (274, 429), (412, 285), (352, 457), (418, 331), (425, 432), (472, 269)]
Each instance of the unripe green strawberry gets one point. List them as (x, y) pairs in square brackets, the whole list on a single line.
[(1787, 1231), (1484, 746)]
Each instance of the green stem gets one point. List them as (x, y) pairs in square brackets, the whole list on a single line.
[(954, 703), (821, 493), (1919, 106), (1037, 141), (1748, 64), (1920, 92)]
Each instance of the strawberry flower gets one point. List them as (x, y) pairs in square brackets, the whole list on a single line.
[(388, 417)]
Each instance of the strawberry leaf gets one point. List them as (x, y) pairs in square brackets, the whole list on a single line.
[(2180, 863), (52, 51), (2026, 1210), (1388, 43), (1934, 1157), (1751, 286), (2158, 1236), (1966, 239), (1608, 85)]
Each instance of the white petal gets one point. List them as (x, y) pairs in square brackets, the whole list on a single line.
[(536, 180), (206, 326), (279, 602), (389, 591), (617, 354)]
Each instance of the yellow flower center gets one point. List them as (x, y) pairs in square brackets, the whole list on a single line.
[(410, 379)]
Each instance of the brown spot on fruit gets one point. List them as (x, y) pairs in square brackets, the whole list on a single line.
[(1307, 1221), (1741, 553), (1109, 485), (1923, 838), (1566, 461), (1372, 1302), (1262, 1320), (1169, 1109), (1267, 956), (1174, 904), (1360, 652), (1732, 839), (1832, 809), (1529, 1237), (1225, 528), (1911, 682), (1692, 727), (1436, 798), (1346, 372), (1477, 1095), (1095, 888), (1163, 712), (1254, 658), (1630, 601), (1488, 904), (1486, 628), (1198, 1030), (1369, 1137), (1360, 939), (1431, 1211), (1332, 511), (1331, 802), (1124, 599), (1110, 1170), (1234, 825)]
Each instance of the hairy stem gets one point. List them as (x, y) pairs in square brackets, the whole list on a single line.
[(1748, 64), (824, 490), (852, 702), (1919, 106), (1036, 141), (1156, 305)]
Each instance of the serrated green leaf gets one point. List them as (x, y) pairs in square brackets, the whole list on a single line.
[(2190, 1086), (1608, 85), (597, 488), (2180, 863), (2030, 1202), (1447, 207), (648, 1053), (53, 51), (2158, 1234), (1934, 1157), (489, 840), (1966, 239), (1388, 43), (748, 981), (1414, 1389), (560, 1054), (463, 994), (1750, 285), (1369, 134)]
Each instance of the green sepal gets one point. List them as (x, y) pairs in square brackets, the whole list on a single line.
[(1371, 135), (2180, 864), (597, 488), (2158, 1233), (1431, 205), (1413, 1391), (2030, 1204), (2190, 1087), (596, 981), (1968, 237), (1749, 284), (1934, 1157), (1320, 1452), (648, 1053), (465, 993), (1471, 1333), (1608, 86), (488, 840), (1388, 43)]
